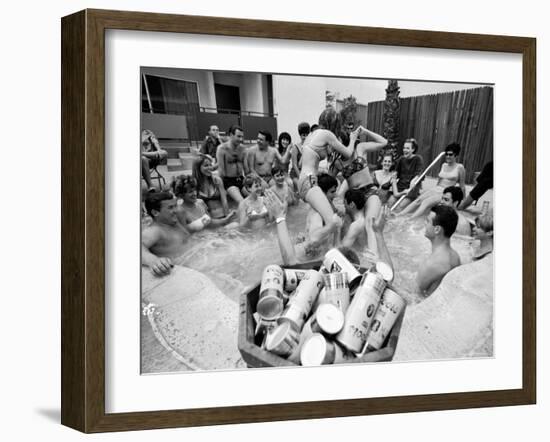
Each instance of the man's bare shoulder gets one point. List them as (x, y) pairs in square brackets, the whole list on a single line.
[(151, 234)]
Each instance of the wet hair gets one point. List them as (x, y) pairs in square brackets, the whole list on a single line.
[(355, 196), (276, 170), (350, 255), (314, 127), (183, 184), (250, 180), (326, 182), (153, 201), (303, 128), (453, 147), (330, 120), (283, 136), (446, 217), (456, 193), (485, 222), (413, 143), (233, 129), (267, 135)]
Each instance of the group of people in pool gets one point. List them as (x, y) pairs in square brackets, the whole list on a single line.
[(348, 204)]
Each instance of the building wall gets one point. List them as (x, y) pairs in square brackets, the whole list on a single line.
[(251, 89), (204, 80)]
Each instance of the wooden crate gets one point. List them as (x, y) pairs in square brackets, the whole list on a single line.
[(257, 357)]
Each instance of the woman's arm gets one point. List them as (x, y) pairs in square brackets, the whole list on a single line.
[(278, 211), (462, 178), (218, 182), (333, 142), (371, 146)]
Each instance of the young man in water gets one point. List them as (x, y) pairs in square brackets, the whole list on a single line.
[(261, 157), (354, 202), (440, 225), (452, 197), (165, 237), (231, 163)]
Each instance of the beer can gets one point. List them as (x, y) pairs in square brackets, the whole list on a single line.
[(295, 315), (336, 290), (282, 340), (307, 291), (293, 278), (270, 302), (327, 320), (385, 270), (361, 311), (391, 306), (317, 350), (335, 261)]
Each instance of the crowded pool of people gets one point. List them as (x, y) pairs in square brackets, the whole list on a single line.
[(234, 188)]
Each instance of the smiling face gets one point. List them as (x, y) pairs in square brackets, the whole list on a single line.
[(279, 177), (407, 149), (190, 196), (237, 138), (262, 141), (206, 167), (285, 142), (386, 163), (167, 213), (450, 157)]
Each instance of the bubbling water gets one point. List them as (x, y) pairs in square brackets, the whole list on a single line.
[(235, 259)]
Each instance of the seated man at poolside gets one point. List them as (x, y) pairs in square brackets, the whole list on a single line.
[(440, 225), (484, 183), (281, 186), (452, 196), (262, 156), (151, 156), (231, 163), (165, 237)]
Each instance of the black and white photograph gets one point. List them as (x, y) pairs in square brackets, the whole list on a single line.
[(292, 220)]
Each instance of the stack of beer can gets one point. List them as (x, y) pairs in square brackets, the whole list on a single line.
[(326, 316)]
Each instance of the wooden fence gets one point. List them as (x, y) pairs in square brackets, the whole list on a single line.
[(435, 121)]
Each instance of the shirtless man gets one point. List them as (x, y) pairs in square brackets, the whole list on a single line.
[(165, 236), (440, 225), (452, 197), (261, 157), (354, 203), (231, 163)]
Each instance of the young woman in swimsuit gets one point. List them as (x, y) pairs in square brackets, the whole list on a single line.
[(357, 176), (317, 146), (193, 212), (296, 154), (452, 174), (210, 187), (384, 179), (252, 210)]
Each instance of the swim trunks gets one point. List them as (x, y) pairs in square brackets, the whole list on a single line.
[(305, 183), (369, 190), (235, 181)]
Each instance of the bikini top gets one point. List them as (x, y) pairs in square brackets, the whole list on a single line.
[(385, 186), (200, 223), (212, 193), (253, 210)]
